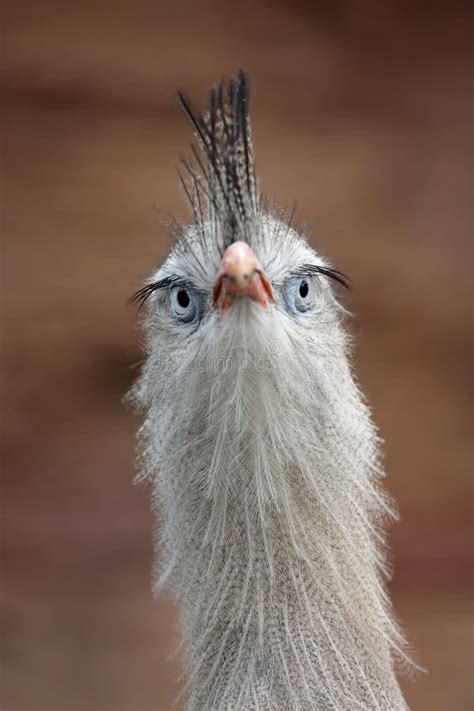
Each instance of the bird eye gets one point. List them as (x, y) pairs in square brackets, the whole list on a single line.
[(300, 294), (184, 303), (304, 289)]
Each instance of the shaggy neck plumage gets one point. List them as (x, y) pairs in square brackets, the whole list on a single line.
[(263, 460), (270, 531)]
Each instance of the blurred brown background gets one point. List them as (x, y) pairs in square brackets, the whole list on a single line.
[(362, 113)]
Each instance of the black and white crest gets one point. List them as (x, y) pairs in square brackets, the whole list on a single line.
[(221, 184)]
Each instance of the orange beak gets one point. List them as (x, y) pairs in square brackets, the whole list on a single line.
[(240, 274)]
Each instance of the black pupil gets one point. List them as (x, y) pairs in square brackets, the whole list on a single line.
[(304, 289), (183, 298)]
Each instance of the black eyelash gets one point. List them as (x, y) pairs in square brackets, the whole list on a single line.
[(143, 294), (310, 269), (146, 291)]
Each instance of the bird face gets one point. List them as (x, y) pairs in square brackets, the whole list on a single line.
[(246, 360), (242, 308), (222, 309)]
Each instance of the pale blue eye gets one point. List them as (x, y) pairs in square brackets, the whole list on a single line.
[(300, 294), (184, 303)]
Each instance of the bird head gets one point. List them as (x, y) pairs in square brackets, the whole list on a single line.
[(243, 326)]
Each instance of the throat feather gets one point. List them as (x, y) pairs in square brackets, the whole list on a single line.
[(271, 539)]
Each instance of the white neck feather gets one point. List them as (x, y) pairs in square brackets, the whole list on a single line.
[(271, 511)]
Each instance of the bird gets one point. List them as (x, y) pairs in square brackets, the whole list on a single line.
[(262, 459)]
